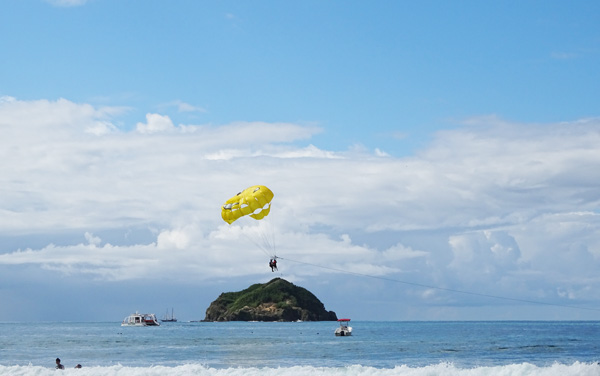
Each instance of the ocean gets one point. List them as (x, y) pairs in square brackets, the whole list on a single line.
[(303, 348)]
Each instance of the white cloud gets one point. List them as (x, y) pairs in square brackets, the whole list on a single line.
[(155, 123), (493, 205), (94, 240), (182, 107), (169, 239), (186, 107), (483, 256)]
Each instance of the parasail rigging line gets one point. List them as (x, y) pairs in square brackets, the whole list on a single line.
[(442, 288), (263, 240)]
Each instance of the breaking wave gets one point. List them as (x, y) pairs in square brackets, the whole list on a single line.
[(442, 369)]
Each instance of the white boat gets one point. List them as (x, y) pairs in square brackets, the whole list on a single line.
[(344, 330), (140, 319), (167, 318)]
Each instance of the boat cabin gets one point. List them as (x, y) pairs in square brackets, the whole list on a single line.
[(344, 330), (140, 319)]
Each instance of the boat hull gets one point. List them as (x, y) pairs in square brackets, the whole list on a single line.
[(343, 333)]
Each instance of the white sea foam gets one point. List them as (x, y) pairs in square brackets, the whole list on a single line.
[(442, 369)]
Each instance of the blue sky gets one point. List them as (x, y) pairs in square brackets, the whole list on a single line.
[(403, 68), (446, 144)]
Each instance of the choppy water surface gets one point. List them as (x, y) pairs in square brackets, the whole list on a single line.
[(375, 348)]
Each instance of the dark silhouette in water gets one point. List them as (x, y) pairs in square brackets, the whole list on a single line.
[(58, 365)]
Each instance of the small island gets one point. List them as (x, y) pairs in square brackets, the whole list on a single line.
[(276, 300)]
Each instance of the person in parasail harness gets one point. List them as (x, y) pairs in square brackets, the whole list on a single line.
[(273, 264)]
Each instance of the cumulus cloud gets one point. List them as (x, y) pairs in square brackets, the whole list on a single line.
[(155, 123), (492, 205), (483, 256)]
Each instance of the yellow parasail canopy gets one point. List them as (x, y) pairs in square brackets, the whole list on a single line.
[(254, 201)]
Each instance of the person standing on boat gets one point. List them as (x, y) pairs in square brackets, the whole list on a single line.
[(58, 365)]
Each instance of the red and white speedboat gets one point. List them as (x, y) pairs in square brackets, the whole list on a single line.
[(344, 330)]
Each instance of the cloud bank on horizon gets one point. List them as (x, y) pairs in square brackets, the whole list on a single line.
[(491, 206)]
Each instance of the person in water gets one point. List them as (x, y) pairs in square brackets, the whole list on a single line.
[(58, 365)]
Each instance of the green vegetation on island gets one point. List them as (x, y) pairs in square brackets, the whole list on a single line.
[(276, 300)]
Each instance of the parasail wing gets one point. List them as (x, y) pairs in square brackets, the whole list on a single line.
[(254, 201)]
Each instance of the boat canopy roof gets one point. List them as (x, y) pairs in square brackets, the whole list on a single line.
[(344, 320)]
